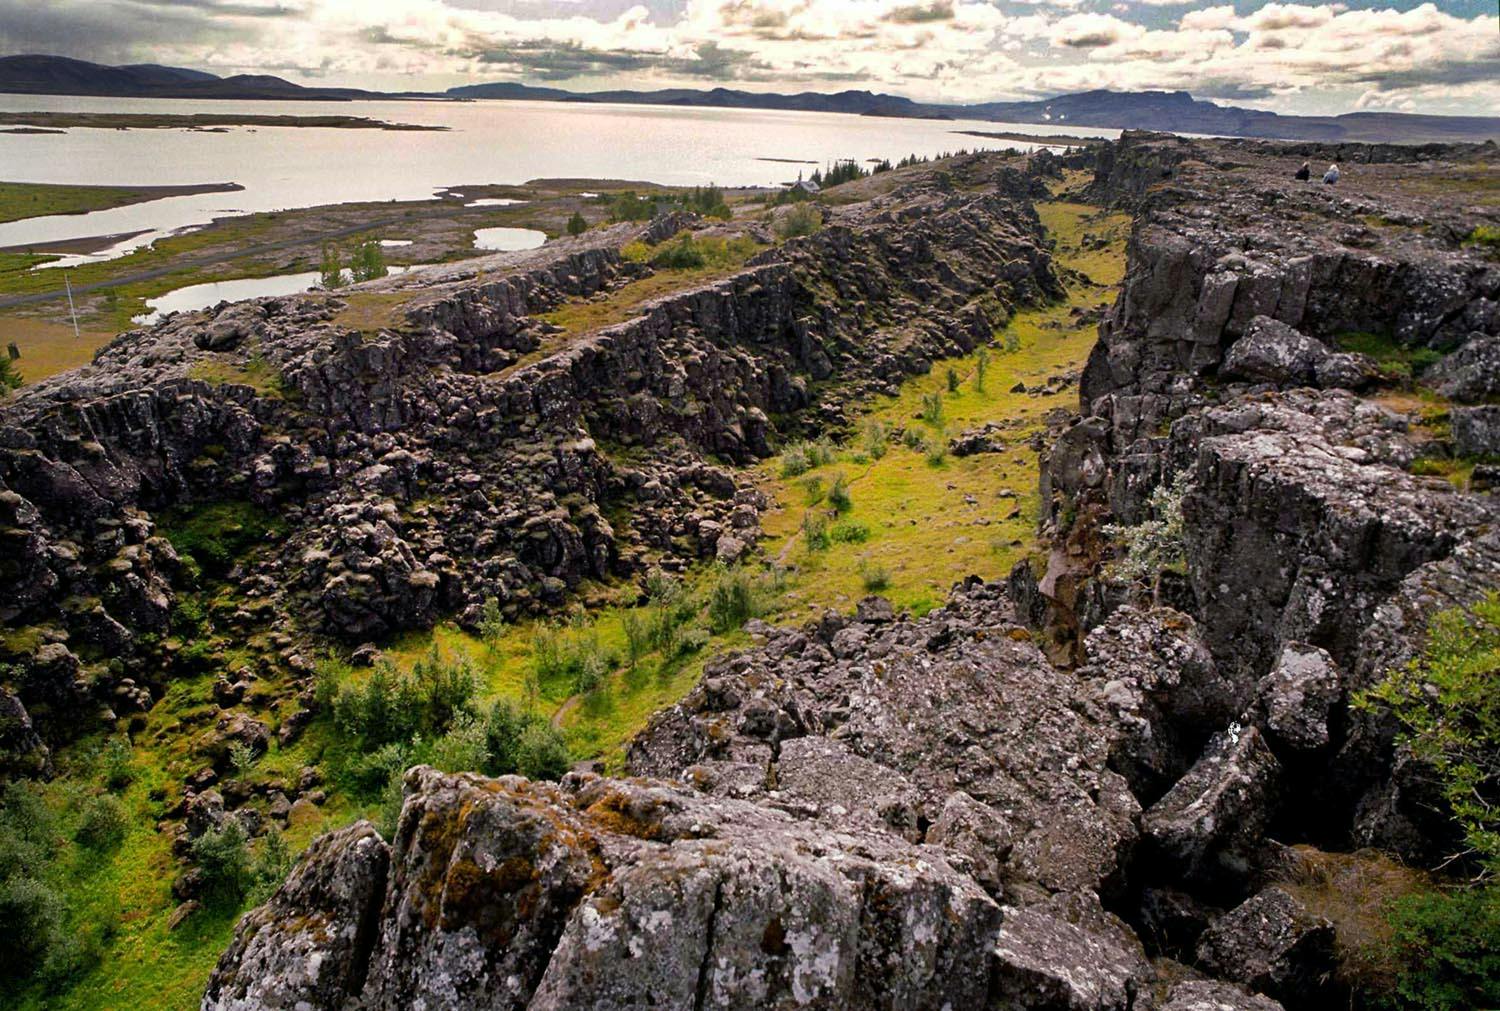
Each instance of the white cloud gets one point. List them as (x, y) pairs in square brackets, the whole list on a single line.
[(938, 50)]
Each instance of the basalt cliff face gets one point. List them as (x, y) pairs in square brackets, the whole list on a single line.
[(1056, 792)]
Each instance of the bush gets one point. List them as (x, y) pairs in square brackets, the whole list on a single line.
[(331, 274), (952, 378), (874, 439), (491, 622), (912, 439), (541, 752), (464, 748), (732, 600), (794, 462), (1446, 950), (101, 825), (216, 535), (1153, 545), (1448, 706), (812, 491), (10, 376), (117, 762), (1012, 342), (821, 453), (682, 253), (815, 531), (28, 831), (981, 368), (875, 577), (1486, 235), (838, 495), (849, 533), (799, 220), (577, 224), (932, 408), (368, 261), (391, 707), (937, 452), (223, 856), (273, 862), (31, 926)]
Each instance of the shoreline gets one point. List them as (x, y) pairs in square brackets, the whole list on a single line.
[(50, 122)]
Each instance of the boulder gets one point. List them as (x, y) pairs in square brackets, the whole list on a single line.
[(1206, 825), (1273, 352), (1476, 430), (1210, 995), (1068, 955), (308, 946), (1295, 700), (1271, 943), (1471, 374)]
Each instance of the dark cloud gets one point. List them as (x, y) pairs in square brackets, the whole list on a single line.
[(937, 10), (1478, 72), (110, 31), (550, 61)]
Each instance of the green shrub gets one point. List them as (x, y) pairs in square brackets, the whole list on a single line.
[(464, 748), (368, 261), (10, 376), (952, 378), (116, 760), (491, 622), (812, 491), (502, 734), (31, 926), (682, 253), (101, 824), (693, 640), (874, 439), (577, 224), (28, 831), (981, 369), (1012, 342), (1447, 950), (541, 752), (794, 462), (733, 599), (912, 439), (815, 531), (802, 219), (1447, 703), (636, 252), (874, 576), (932, 408), (849, 533), (937, 452), (1155, 545), (273, 862), (822, 452), (1486, 235), (223, 857), (391, 707), (637, 636), (838, 495)]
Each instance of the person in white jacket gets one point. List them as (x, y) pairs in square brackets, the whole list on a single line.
[(1332, 175)]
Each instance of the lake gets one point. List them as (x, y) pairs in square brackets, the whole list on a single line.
[(487, 142)]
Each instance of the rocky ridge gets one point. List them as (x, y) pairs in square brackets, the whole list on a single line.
[(425, 444)]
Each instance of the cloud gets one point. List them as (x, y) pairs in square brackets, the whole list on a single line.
[(1280, 54)]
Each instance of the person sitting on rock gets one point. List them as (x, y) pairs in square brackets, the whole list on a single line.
[(1332, 175), (1304, 173)]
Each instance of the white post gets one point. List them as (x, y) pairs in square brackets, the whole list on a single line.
[(71, 308)]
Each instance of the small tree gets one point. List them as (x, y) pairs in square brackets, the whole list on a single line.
[(491, 622), (10, 376), (952, 378), (330, 271), (981, 366), (1448, 706), (368, 262), (1155, 544), (577, 224)]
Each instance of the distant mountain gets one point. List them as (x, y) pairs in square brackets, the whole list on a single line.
[(1174, 111), (1171, 111), (859, 103), (57, 75)]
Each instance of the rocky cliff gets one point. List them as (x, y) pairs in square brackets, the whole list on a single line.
[(424, 444), (1069, 791)]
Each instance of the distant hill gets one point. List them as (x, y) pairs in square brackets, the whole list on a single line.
[(58, 75), (1174, 111)]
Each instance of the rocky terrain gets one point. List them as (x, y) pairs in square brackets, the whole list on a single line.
[(1070, 790)]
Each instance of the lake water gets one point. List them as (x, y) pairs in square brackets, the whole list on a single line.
[(488, 142), (201, 296), (508, 240)]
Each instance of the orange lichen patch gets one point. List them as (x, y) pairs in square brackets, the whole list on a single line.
[(622, 814)]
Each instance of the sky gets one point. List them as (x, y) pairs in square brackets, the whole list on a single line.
[(1311, 58)]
